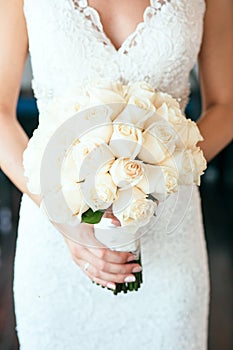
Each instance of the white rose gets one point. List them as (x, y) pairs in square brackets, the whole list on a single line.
[(32, 158), (82, 148), (75, 199), (140, 90), (164, 111), (82, 99), (61, 191), (182, 161), (136, 113), (154, 118), (50, 147), (95, 122), (69, 170), (159, 142), (126, 140), (62, 147), (126, 172), (161, 97), (85, 157), (152, 180), (168, 185), (142, 103), (160, 181), (173, 115), (57, 111), (171, 179), (64, 206), (99, 190), (105, 188), (132, 207), (107, 92), (54, 113), (98, 158), (188, 134), (190, 165), (200, 164)]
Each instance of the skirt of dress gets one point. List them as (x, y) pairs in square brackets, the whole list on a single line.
[(58, 308)]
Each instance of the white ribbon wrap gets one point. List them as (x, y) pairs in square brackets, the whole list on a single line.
[(123, 239)]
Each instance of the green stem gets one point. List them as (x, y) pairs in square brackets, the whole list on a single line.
[(124, 287)]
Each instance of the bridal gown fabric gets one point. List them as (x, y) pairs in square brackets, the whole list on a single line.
[(57, 306)]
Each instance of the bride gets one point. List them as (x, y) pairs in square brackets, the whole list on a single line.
[(71, 42)]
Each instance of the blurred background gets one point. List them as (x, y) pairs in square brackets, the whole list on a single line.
[(217, 195)]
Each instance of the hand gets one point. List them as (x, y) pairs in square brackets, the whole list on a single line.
[(101, 265), (109, 214)]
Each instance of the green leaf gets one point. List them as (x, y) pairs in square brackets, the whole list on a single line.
[(92, 217)]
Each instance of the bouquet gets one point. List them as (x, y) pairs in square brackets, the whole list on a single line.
[(108, 145)]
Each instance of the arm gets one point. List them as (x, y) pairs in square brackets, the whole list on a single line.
[(13, 140), (216, 77)]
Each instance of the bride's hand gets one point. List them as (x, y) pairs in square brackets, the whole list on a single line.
[(102, 265)]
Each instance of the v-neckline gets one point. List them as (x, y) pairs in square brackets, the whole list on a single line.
[(99, 26)]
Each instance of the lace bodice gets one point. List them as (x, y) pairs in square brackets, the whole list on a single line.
[(68, 46)]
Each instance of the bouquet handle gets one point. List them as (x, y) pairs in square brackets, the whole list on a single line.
[(122, 239)]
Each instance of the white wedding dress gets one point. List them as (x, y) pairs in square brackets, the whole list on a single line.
[(57, 307)]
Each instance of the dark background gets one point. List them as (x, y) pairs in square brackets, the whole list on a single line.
[(217, 196)]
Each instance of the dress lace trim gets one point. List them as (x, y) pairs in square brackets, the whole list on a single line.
[(92, 15), (161, 51)]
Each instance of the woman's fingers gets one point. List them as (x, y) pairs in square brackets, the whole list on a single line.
[(85, 267), (104, 254), (122, 269), (112, 256), (109, 215), (103, 283), (95, 273), (99, 269), (109, 285), (110, 277), (105, 266)]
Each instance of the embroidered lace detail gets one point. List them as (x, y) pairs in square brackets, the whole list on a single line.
[(157, 4), (162, 50), (80, 3), (92, 15)]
